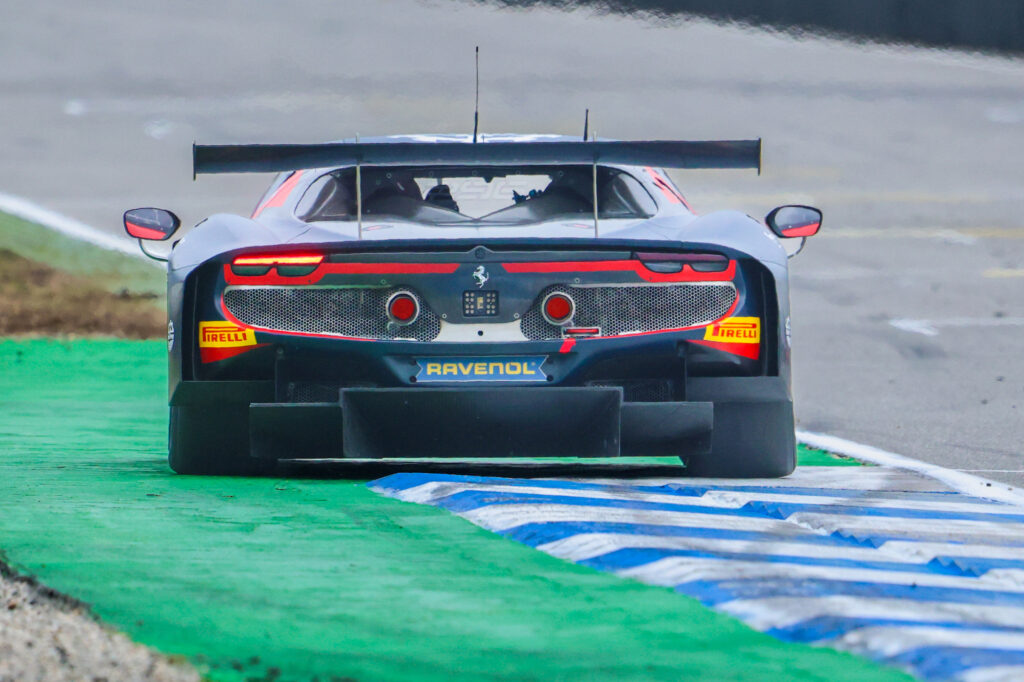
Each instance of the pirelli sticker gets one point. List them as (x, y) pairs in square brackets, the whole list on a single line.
[(736, 335), (455, 369), (224, 335), (735, 330), (220, 340)]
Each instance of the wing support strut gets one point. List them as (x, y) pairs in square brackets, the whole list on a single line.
[(359, 194), (359, 199)]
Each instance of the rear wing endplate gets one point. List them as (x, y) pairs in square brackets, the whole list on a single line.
[(270, 158)]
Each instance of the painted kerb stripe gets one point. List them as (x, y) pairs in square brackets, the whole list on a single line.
[(898, 563)]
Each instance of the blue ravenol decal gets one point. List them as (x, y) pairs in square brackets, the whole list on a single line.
[(505, 368)]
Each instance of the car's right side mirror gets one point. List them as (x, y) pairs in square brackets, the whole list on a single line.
[(794, 221)]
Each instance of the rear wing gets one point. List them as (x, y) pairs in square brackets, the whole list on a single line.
[(270, 158)]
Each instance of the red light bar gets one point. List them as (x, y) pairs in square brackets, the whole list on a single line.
[(582, 331), (284, 259)]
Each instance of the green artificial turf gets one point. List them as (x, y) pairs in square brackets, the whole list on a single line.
[(299, 580), (808, 456)]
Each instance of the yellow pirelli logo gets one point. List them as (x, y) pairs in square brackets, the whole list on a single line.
[(224, 335), (735, 330)]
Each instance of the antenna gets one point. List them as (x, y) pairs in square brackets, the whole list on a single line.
[(597, 232), (586, 124), (359, 195), (476, 107)]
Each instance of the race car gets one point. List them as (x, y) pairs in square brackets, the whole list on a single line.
[(510, 296)]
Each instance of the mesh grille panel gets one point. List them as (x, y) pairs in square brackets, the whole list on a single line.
[(618, 309), (352, 311), (309, 392)]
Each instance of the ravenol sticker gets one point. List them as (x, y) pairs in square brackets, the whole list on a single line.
[(481, 369), (225, 335), (735, 330)]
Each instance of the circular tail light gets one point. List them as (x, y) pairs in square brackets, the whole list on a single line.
[(403, 308), (558, 308)]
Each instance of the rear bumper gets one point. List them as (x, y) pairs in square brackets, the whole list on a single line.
[(478, 422), (371, 423)]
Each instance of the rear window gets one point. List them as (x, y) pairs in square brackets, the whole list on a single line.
[(492, 196)]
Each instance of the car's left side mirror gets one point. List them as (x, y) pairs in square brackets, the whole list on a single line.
[(794, 221), (151, 223)]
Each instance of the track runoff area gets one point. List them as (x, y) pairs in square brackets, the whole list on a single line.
[(312, 578)]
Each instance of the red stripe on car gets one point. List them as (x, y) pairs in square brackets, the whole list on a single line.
[(141, 232), (802, 231), (747, 350), (687, 274), (343, 269), (670, 192), (217, 354), (732, 309), (281, 195)]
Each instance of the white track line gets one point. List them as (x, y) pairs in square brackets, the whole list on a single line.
[(765, 613), (675, 570), (867, 479), (584, 546), (958, 480), (718, 499), (892, 640), (502, 517), (997, 673), (58, 222), (930, 327)]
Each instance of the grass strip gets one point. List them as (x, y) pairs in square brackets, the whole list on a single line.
[(111, 270), (293, 579)]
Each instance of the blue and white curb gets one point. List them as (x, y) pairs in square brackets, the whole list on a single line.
[(878, 561)]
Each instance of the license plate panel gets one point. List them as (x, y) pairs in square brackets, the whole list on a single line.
[(494, 369)]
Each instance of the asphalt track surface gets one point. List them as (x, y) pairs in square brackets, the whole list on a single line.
[(907, 310)]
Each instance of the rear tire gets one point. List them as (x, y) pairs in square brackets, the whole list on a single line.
[(750, 440), (212, 441)]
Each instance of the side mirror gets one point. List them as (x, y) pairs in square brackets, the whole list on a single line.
[(150, 223), (794, 221)]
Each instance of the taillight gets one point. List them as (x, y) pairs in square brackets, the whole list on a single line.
[(403, 308), (674, 262), (306, 259), (287, 264), (558, 308)]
